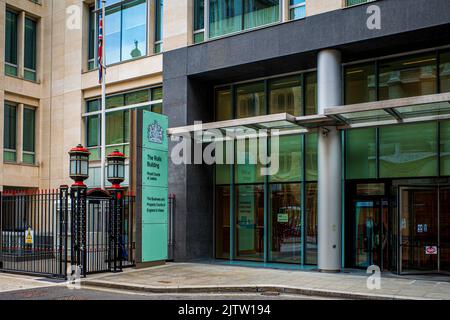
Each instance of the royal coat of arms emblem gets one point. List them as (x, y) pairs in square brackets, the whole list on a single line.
[(155, 133)]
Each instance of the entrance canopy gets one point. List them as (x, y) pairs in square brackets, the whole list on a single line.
[(372, 114)]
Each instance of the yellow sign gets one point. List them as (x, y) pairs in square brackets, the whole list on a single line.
[(29, 236)]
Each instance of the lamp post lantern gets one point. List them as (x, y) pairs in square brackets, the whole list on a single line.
[(79, 165), (116, 169)]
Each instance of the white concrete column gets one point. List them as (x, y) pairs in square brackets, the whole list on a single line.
[(329, 85)]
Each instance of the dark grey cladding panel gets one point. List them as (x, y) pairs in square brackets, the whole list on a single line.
[(338, 28)]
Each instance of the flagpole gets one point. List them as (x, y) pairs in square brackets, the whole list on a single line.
[(103, 119)]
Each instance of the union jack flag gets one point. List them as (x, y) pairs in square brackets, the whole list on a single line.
[(100, 51)]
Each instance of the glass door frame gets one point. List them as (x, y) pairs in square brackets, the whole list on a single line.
[(437, 188)]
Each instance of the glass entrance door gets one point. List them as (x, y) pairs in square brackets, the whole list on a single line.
[(419, 229), (367, 233)]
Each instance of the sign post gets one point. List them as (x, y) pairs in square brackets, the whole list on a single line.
[(152, 189)]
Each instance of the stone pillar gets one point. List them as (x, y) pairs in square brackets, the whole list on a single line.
[(329, 85)]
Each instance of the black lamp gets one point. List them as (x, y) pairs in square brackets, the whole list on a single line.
[(116, 168), (79, 165)]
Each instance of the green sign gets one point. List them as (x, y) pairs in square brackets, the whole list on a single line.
[(154, 187)]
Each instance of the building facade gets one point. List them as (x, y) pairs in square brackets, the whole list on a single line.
[(364, 89)]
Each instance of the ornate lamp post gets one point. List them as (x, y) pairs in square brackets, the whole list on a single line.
[(79, 165), (116, 169), (79, 172), (116, 175)]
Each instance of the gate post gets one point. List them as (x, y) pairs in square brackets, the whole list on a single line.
[(116, 229), (78, 250), (63, 224)]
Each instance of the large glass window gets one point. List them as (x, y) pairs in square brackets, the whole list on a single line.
[(30, 49), (286, 96), (159, 5), (236, 15), (11, 43), (9, 132), (408, 150), (360, 84), (125, 31), (29, 132), (361, 161), (311, 156), (248, 167), (407, 77), (117, 122), (445, 72), (285, 223), (92, 34), (249, 211), (251, 100)]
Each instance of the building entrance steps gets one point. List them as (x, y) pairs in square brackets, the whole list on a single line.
[(220, 277)]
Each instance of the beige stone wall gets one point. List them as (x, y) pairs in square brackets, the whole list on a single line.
[(61, 89), (320, 6)]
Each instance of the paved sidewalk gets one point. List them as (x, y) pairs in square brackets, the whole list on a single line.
[(203, 278), (11, 282)]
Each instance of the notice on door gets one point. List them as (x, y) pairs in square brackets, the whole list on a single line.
[(431, 250)]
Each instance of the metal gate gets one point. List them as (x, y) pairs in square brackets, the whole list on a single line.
[(47, 232)]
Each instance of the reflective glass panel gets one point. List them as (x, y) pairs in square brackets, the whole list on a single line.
[(360, 84), (311, 93), (285, 223), (249, 213), (250, 100), (286, 96), (311, 223), (224, 108), (408, 150), (134, 29), (408, 77), (289, 158), (361, 152), (224, 17), (311, 157)]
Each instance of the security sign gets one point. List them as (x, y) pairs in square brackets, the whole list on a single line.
[(29, 236), (431, 250)]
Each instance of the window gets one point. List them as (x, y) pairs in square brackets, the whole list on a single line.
[(29, 132), (125, 31), (407, 150), (117, 121), (361, 156), (159, 6), (286, 96), (407, 77), (224, 106), (295, 94), (236, 15), (360, 84), (199, 21), (250, 99), (297, 9), (11, 43), (30, 49), (10, 127)]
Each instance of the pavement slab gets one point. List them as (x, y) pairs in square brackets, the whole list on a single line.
[(208, 277)]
